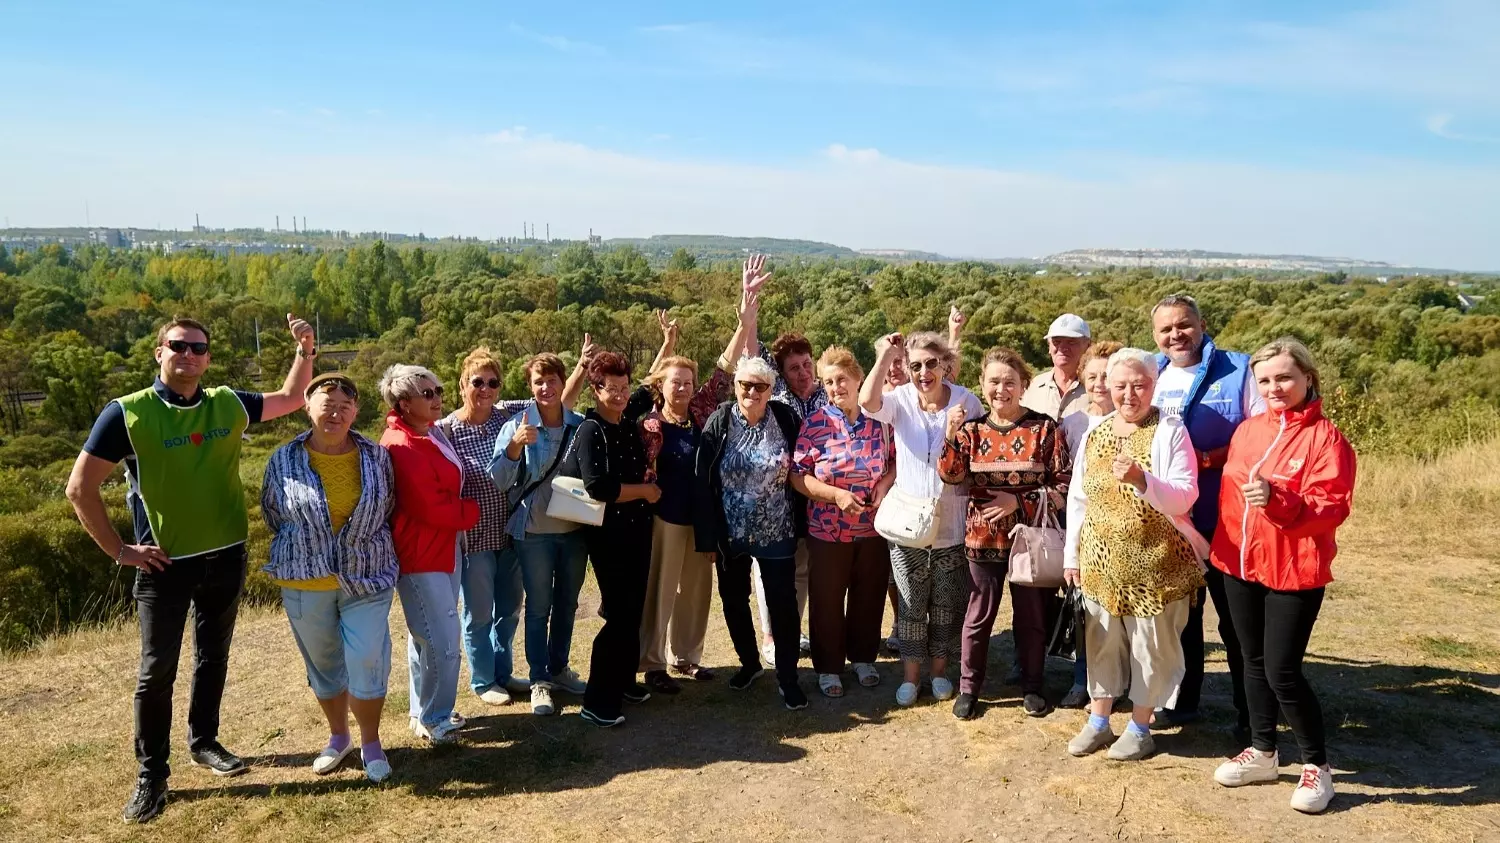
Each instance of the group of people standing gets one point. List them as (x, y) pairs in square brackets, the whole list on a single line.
[(1196, 471)]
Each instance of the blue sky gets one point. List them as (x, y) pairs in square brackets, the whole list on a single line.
[(1365, 129)]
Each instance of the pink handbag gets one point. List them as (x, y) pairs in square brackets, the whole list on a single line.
[(1036, 552)]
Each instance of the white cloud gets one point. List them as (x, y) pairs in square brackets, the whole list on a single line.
[(839, 152), (1438, 125), (560, 43)]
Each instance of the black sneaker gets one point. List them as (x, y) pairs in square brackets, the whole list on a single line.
[(965, 707), (745, 677), (637, 693), (601, 720), (658, 680), (146, 801), (1077, 697), (1036, 705), (793, 697), (218, 760), (1171, 718)]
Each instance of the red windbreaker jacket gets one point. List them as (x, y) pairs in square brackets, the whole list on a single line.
[(1287, 545), (430, 513)]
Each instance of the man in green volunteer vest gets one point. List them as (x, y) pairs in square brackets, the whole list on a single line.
[(180, 443)]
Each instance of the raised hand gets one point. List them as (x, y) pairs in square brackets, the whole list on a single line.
[(956, 321), (668, 328), (956, 419), (888, 345), (302, 332), (525, 434), (586, 355), (754, 275), (749, 305)]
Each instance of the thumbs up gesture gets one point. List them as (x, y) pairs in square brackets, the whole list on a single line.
[(302, 333), (1257, 492)]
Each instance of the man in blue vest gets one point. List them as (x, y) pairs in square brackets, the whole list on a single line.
[(180, 442), (1212, 391)]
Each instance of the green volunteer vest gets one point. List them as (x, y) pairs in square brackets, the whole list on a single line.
[(187, 469)]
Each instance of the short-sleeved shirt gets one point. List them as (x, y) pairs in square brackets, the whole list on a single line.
[(848, 456), (754, 473), (919, 443), (475, 444), (109, 440), (1174, 383), (1047, 398)]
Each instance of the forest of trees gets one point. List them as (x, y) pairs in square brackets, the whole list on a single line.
[(1405, 368)]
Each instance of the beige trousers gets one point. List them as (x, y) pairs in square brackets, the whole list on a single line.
[(1140, 655), (760, 595), (679, 590)]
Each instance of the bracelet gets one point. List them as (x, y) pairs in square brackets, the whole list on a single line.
[(119, 554)]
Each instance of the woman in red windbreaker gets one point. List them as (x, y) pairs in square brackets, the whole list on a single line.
[(427, 527), (1287, 487)]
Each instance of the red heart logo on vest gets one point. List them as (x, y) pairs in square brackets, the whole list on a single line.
[(197, 438)]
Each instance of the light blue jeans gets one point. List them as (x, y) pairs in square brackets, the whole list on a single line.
[(552, 571), (430, 603), (492, 592), (345, 640)]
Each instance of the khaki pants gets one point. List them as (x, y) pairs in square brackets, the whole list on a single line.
[(1139, 655), (760, 594), (679, 590)]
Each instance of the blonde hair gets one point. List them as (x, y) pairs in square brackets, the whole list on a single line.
[(658, 376), (478, 360), (1301, 356), (839, 357), (1145, 360), (930, 341), (1101, 350)]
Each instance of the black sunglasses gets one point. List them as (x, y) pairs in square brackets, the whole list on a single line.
[(754, 387), (182, 346), (928, 364), (434, 392), (480, 383), (345, 387)]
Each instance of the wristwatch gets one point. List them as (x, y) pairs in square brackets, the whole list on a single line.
[(305, 354)]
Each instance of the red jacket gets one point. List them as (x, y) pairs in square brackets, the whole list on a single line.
[(429, 511), (1288, 545)]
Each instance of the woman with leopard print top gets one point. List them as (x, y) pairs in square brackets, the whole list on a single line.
[(1132, 547)]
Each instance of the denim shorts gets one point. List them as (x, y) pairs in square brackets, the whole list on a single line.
[(345, 640)]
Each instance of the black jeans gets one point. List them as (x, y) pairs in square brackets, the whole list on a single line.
[(211, 584), (621, 556), (1274, 628), (778, 577), (1191, 690)]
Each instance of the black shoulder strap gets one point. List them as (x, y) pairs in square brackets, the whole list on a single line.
[(562, 449)]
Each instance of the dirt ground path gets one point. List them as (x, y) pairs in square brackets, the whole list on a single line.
[(1406, 664)]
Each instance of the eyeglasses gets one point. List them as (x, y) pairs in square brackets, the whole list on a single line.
[(349, 390), (928, 365), (183, 346), (434, 392), (481, 383), (754, 387)]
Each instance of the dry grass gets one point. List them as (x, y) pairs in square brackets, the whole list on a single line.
[(1404, 656)]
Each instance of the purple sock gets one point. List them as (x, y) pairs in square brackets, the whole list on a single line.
[(370, 751), (338, 743)]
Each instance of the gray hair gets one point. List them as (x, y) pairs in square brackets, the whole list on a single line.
[(754, 369), (1179, 300), (403, 381), (1132, 356)]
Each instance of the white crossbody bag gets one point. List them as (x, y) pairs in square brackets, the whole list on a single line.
[(906, 519), (570, 500)]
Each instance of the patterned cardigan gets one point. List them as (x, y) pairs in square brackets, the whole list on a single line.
[(303, 546)]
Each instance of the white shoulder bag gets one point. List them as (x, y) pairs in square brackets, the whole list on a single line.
[(906, 519), (570, 500)]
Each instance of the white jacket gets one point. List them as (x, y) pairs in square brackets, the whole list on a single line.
[(1171, 490)]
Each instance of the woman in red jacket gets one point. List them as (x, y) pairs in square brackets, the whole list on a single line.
[(430, 515), (1287, 487)]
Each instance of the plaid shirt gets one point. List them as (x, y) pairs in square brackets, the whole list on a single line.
[(475, 445)]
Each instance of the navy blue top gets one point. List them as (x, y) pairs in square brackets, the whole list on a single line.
[(674, 473)]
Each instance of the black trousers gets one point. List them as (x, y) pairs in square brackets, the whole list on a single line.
[(1191, 691), (621, 556), (1274, 628), (209, 584), (778, 577)]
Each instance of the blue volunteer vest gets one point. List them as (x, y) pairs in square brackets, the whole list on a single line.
[(1212, 409)]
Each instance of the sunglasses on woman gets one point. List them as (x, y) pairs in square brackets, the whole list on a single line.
[(481, 383), (434, 392), (183, 346), (924, 365), (754, 387)]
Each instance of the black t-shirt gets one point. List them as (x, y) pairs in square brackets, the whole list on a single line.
[(109, 440)]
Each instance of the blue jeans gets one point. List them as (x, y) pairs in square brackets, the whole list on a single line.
[(552, 571), (492, 602), (345, 640), (430, 603)]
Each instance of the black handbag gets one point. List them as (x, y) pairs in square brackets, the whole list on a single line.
[(1067, 633)]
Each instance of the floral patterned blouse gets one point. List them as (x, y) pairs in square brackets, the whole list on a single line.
[(847, 456), (754, 471)]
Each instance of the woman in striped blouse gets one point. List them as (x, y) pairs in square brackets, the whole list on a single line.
[(327, 498)]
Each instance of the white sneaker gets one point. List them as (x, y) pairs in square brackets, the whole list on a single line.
[(570, 681), (541, 699), (1314, 791), (456, 720), (378, 770), (495, 695), (906, 694), (1248, 767), (444, 732), (942, 689), (768, 653)]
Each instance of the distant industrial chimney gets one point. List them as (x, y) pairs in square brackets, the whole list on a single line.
[(278, 222), (549, 232)]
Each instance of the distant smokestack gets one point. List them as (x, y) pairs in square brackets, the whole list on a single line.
[(549, 232), (278, 222), (304, 225)]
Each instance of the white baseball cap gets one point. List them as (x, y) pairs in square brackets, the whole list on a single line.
[(1069, 325)]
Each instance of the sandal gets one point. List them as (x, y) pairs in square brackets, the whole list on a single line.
[(658, 680), (830, 684), (695, 672), (868, 675)]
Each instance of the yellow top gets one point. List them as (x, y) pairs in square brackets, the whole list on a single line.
[(339, 474)]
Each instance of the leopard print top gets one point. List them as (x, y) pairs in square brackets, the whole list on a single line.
[(1133, 560)]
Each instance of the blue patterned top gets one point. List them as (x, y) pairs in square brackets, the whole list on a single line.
[(755, 470)]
